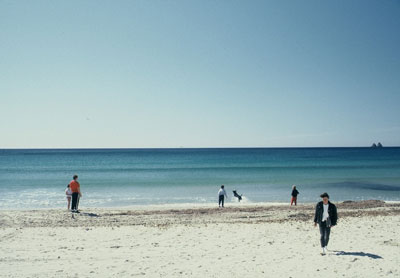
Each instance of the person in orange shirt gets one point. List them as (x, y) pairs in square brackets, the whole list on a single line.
[(76, 193)]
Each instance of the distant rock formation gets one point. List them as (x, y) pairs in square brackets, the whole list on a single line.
[(379, 145)]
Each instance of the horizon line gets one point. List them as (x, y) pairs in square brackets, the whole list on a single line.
[(159, 148)]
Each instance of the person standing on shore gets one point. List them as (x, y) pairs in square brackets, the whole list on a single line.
[(326, 217), (68, 192), (221, 196), (76, 193), (294, 196)]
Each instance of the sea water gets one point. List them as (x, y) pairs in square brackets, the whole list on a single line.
[(37, 178)]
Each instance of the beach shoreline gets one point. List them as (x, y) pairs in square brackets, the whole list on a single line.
[(249, 241), (166, 206), (163, 206)]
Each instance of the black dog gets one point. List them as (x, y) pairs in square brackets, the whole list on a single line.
[(237, 195)]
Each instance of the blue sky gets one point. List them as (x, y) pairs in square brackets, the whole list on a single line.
[(199, 73)]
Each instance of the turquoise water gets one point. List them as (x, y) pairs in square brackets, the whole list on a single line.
[(122, 177)]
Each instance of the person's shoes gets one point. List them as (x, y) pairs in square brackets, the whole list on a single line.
[(77, 211), (323, 253)]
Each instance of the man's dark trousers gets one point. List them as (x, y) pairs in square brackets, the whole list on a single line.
[(325, 232), (221, 200), (74, 200)]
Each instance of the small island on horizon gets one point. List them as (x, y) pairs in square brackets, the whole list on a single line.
[(379, 145)]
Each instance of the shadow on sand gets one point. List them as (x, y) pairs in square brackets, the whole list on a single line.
[(90, 214), (360, 254)]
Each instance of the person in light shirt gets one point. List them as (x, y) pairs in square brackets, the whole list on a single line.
[(221, 196), (326, 217), (68, 193)]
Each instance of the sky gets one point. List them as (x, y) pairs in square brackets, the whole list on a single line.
[(166, 74)]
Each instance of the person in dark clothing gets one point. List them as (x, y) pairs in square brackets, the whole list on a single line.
[(326, 217), (294, 196)]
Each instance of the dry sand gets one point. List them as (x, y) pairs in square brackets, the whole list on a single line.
[(261, 240)]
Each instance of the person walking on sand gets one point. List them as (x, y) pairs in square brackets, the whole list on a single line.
[(326, 217), (294, 196), (221, 196), (76, 193), (68, 192)]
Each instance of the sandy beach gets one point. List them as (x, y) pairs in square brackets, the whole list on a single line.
[(253, 240)]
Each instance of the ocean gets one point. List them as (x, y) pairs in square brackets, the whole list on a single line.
[(37, 178)]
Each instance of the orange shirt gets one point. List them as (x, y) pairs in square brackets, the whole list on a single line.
[(74, 185)]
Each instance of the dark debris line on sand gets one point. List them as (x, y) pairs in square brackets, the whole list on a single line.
[(202, 216)]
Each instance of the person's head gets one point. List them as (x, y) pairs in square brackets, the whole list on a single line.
[(75, 177), (325, 198), (68, 185), (222, 186), (293, 187)]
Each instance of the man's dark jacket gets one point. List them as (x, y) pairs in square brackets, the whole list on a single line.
[(319, 211)]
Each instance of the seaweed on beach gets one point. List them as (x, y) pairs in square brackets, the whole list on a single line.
[(197, 216), (361, 204)]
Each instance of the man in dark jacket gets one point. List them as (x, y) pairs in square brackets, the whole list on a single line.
[(326, 217)]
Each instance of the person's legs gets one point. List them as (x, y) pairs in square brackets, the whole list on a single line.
[(223, 197), (77, 202), (295, 201), (322, 231), (327, 234), (74, 200), (69, 202), (220, 200)]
